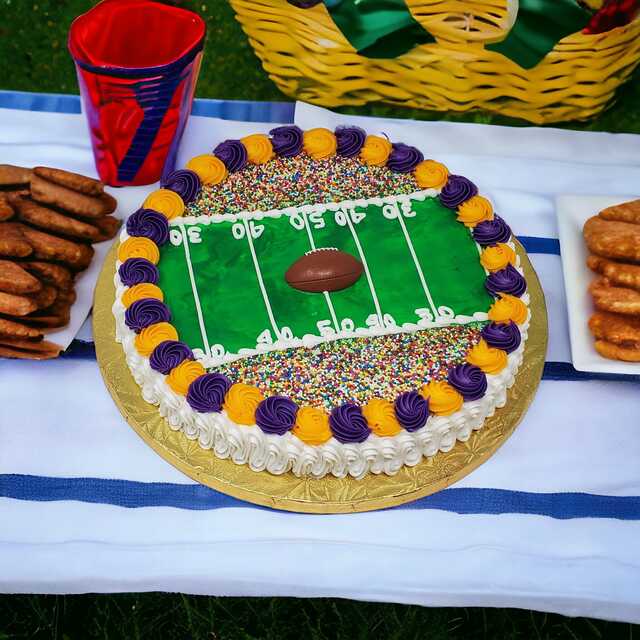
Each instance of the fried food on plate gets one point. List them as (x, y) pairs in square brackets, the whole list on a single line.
[(28, 349), (76, 203), (73, 181), (617, 352), (13, 243), (14, 305), (49, 247), (616, 328), (613, 239), (615, 299), (11, 329), (625, 212), (15, 279), (54, 274), (618, 273), (11, 175)]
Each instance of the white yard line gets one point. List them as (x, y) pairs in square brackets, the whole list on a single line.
[(327, 297), (263, 289), (194, 289), (366, 267), (423, 281)]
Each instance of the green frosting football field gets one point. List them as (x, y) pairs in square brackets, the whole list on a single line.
[(237, 314)]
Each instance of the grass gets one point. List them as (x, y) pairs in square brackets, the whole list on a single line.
[(33, 57), (167, 616)]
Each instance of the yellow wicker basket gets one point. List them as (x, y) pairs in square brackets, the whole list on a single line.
[(309, 58)]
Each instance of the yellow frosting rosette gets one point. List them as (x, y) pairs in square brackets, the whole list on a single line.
[(381, 417), (183, 375), (497, 257), (259, 148), (139, 247), (430, 174), (489, 359), (312, 426), (241, 403), (210, 170), (319, 143), (508, 308), (141, 291), (375, 151), (150, 337), (474, 210), (166, 202), (443, 398)]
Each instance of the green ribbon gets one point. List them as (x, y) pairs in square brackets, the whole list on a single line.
[(386, 28), (541, 24)]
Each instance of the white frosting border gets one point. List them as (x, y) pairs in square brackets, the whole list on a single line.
[(280, 454)]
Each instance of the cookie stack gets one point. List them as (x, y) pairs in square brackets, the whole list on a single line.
[(48, 220), (613, 238)]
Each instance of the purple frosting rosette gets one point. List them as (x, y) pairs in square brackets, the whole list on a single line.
[(276, 415), (350, 140), (168, 355), (490, 232), (404, 158), (348, 424), (286, 140), (507, 280), (468, 380), (147, 223), (233, 153), (412, 410), (137, 270), (505, 336), (143, 313), (206, 393), (457, 190), (184, 182)]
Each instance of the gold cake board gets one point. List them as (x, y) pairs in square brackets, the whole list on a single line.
[(309, 495)]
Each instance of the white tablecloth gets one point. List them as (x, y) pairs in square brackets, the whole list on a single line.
[(551, 522)]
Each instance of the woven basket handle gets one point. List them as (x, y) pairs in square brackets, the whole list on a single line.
[(466, 20)]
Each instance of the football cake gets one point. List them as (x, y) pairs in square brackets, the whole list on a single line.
[(320, 302)]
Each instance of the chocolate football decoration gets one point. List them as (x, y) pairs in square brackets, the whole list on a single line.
[(325, 269)]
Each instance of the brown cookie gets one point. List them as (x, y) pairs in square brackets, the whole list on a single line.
[(77, 204), (67, 296), (11, 329), (618, 273), (107, 226), (50, 220), (625, 212), (54, 274), (6, 210), (48, 247), (616, 352), (55, 316), (11, 175), (13, 243), (28, 349), (73, 181), (45, 297), (613, 239), (14, 305), (15, 279), (616, 328), (615, 299)]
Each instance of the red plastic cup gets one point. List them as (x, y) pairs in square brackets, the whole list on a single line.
[(137, 63)]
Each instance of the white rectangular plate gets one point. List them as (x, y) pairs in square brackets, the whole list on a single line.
[(573, 212)]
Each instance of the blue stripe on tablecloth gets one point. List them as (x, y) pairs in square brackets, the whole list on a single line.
[(247, 110), (132, 494), (534, 244)]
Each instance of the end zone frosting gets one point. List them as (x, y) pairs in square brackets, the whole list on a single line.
[(398, 364)]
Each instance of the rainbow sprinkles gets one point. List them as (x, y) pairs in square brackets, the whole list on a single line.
[(278, 433)]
